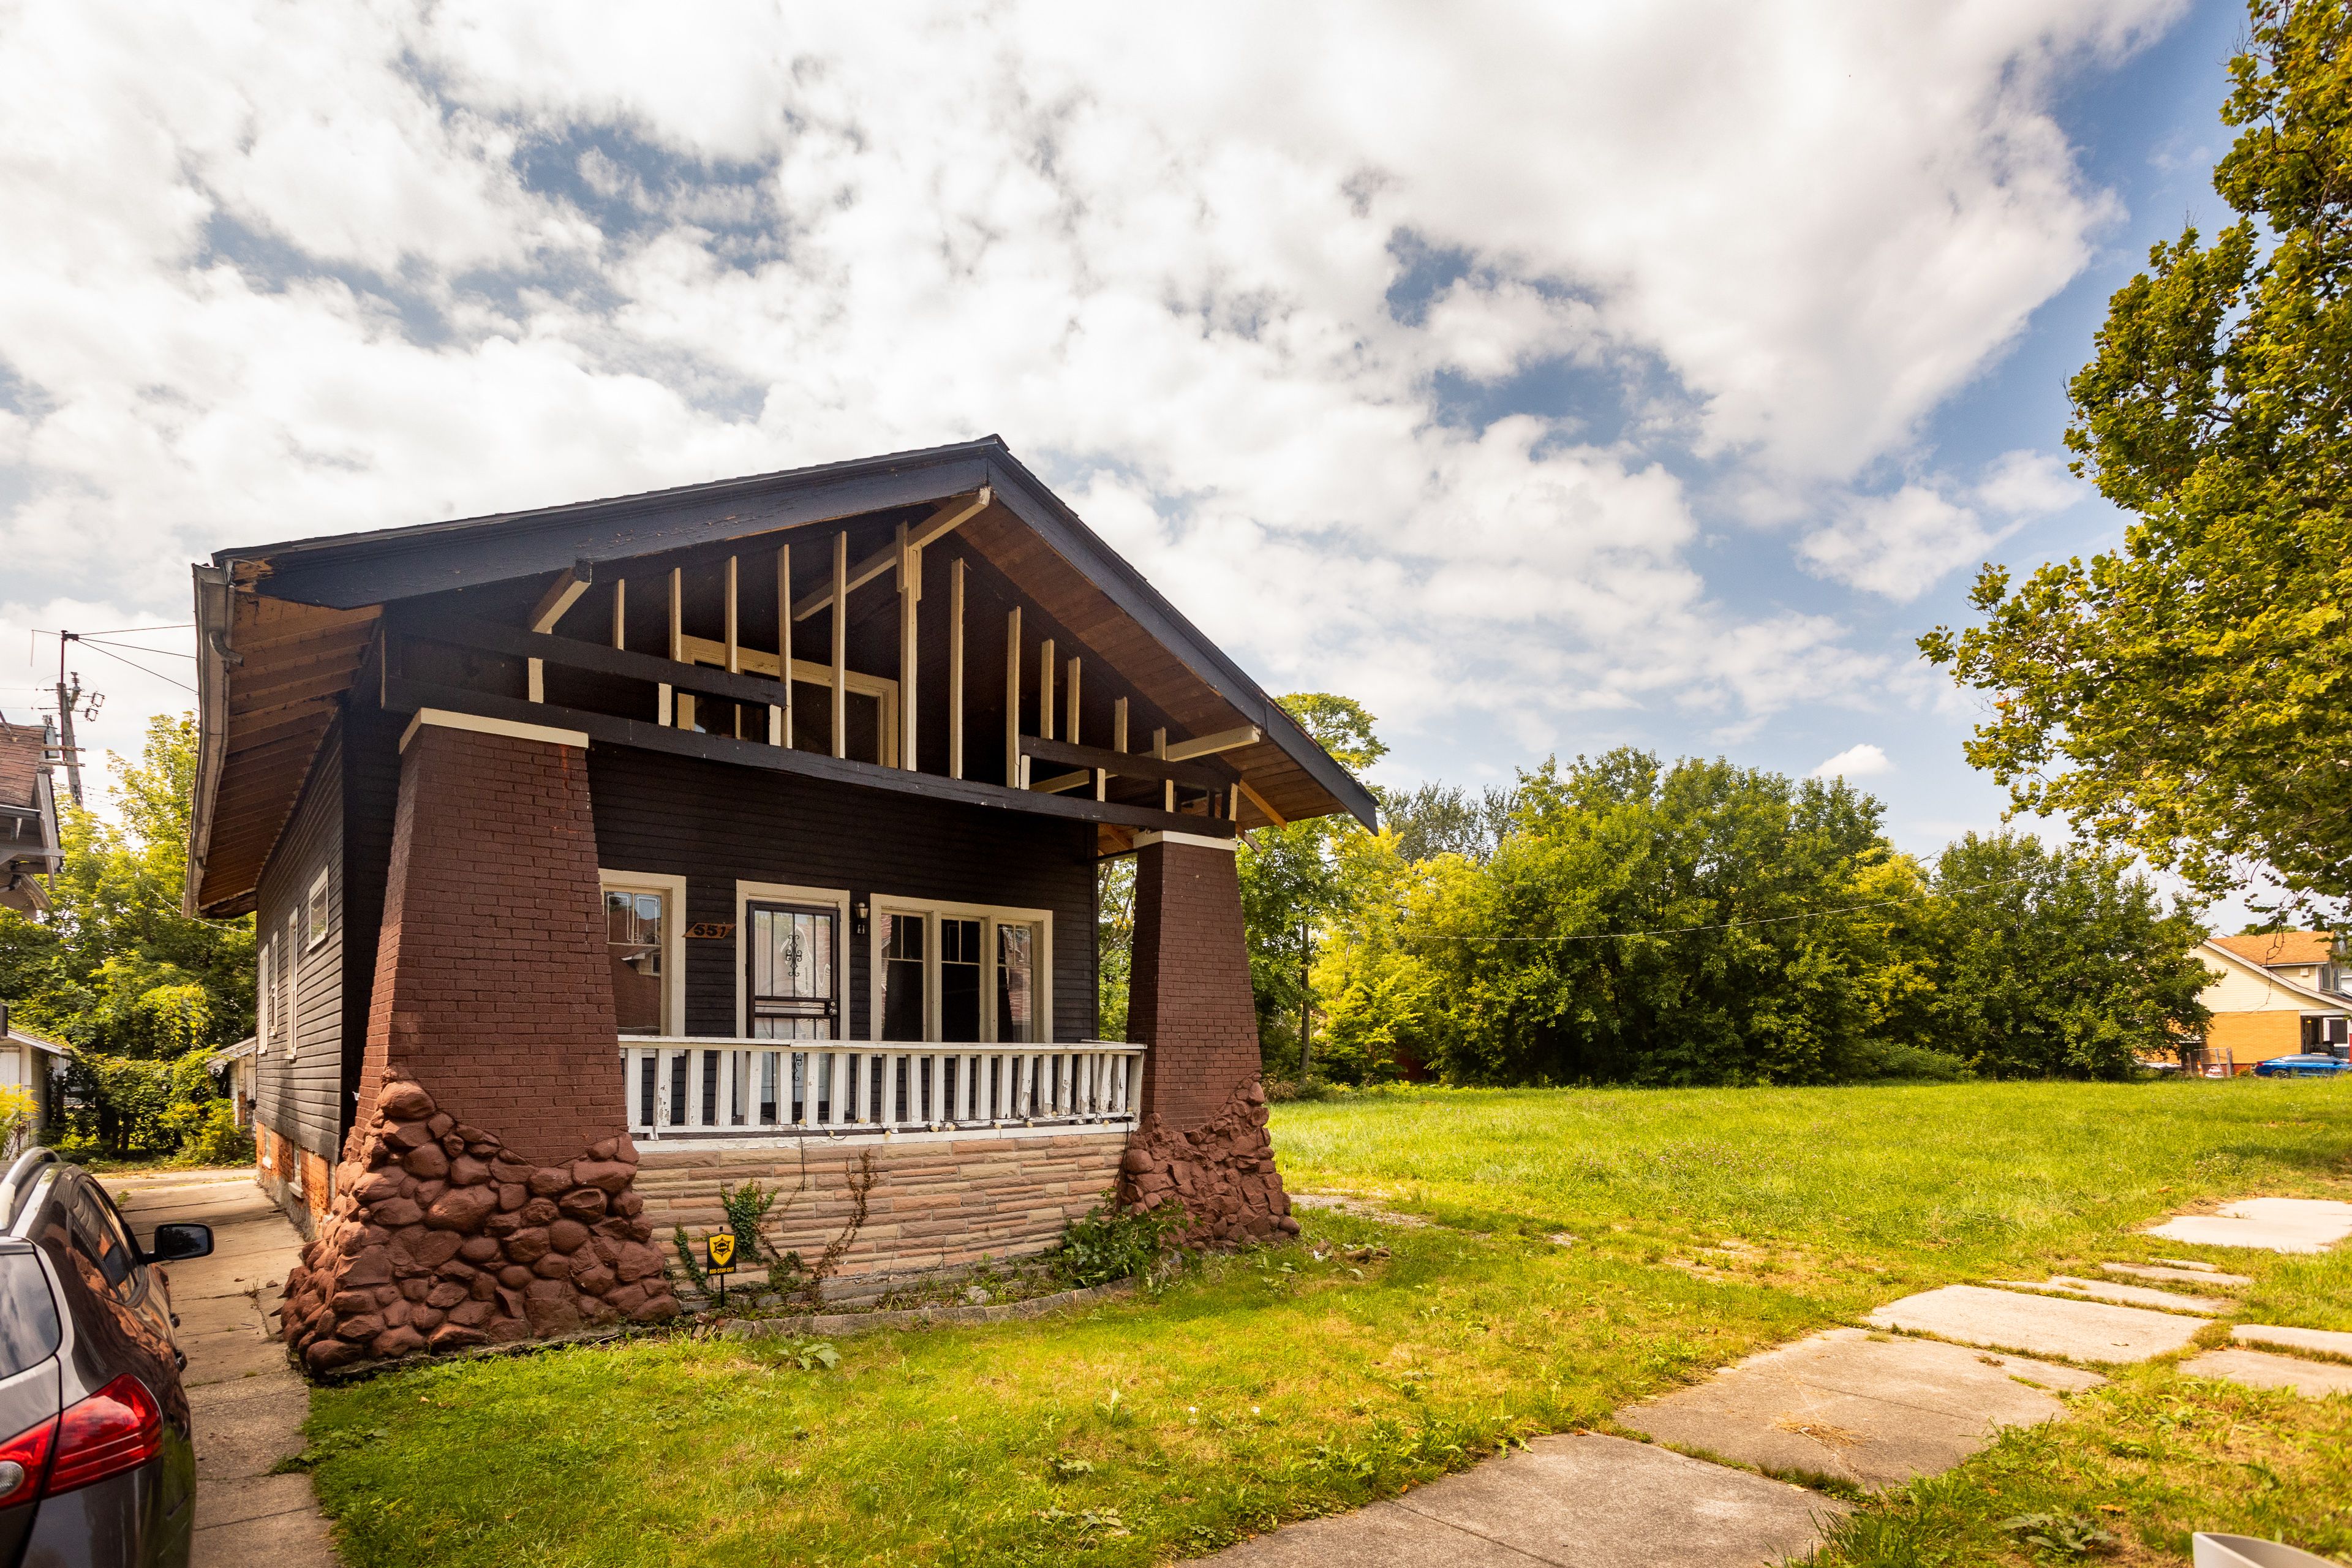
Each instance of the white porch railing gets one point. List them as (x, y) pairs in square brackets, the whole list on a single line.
[(747, 1088)]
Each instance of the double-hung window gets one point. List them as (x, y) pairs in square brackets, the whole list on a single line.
[(644, 946), (960, 973)]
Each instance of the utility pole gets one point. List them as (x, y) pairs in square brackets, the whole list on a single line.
[(66, 701), (1306, 995)]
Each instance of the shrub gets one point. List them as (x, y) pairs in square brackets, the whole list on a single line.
[(15, 1117), (1111, 1243), (212, 1136)]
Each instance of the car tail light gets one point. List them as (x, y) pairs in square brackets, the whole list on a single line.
[(21, 1459), (118, 1428)]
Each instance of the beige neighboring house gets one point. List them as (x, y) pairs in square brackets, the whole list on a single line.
[(235, 1067), (2276, 994), (30, 1063)]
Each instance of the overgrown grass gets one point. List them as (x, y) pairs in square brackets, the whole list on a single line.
[(1294, 1382)]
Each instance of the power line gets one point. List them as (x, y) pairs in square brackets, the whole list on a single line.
[(126, 631), (154, 674), (134, 648)]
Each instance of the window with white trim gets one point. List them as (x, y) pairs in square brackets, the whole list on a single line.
[(959, 974), (289, 993), (316, 912), (645, 942)]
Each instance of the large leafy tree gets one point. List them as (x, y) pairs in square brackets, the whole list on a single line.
[(2186, 696), (1291, 885)]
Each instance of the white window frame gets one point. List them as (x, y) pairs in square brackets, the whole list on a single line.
[(266, 974), (318, 909), (673, 890), (290, 976), (836, 899), (989, 916)]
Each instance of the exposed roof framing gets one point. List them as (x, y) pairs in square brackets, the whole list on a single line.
[(287, 626)]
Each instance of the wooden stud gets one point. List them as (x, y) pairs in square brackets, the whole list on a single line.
[(734, 642), (911, 593), (955, 669), (1013, 698), (1118, 725), (1073, 736), (621, 614), (1167, 787), (1258, 801), (780, 721), (677, 615), (841, 643), (1046, 691), (948, 515)]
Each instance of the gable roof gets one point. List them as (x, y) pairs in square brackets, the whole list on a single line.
[(2282, 947), (22, 749), (285, 628), (2232, 958)]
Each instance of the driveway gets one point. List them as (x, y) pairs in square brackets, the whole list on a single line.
[(247, 1402)]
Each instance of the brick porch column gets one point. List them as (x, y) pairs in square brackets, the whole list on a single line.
[(487, 1187), (1202, 1140)]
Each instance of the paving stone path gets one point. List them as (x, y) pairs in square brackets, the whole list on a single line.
[(1930, 1379), (247, 1403)]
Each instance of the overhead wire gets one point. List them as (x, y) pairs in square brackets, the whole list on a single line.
[(1720, 925), (153, 674)]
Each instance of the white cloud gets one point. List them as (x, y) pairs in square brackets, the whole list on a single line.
[(1859, 762), (281, 270), (1900, 544)]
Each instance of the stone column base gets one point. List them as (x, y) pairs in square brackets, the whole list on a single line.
[(438, 1239), (1222, 1172)]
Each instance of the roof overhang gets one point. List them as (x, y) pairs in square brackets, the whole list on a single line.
[(283, 628)]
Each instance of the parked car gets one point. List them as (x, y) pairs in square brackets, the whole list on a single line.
[(98, 1468), (2302, 1066)]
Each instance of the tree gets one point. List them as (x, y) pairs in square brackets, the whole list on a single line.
[(1290, 883), (2185, 695), (2056, 963), (1433, 819)]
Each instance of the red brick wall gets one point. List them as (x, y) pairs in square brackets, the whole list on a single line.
[(1190, 990), (491, 986)]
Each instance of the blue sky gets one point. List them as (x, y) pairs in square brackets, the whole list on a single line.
[(1550, 379)]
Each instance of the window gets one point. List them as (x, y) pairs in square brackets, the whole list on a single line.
[(266, 994), (287, 994), (315, 912), (633, 923), (960, 973)]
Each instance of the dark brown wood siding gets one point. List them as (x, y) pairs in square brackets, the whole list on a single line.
[(297, 1094), (715, 825), (371, 739)]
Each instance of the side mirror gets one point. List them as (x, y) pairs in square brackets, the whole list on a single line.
[(170, 1242)]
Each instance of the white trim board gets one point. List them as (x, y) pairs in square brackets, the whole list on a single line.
[(672, 888), (444, 719)]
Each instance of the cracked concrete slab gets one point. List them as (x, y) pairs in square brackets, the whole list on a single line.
[(2275, 1225), (2314, 1379), (2325, 1341), (2126, 1295), (2203, 1274), (1586, 1500), (2039, 1325), (1857, 1407)]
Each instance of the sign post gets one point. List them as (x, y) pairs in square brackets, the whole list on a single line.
[(719, 1259)]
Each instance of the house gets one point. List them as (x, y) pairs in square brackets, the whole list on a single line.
[(2273, 994), (233, 1065), (28, 1063), (28, 816), (609, 853)]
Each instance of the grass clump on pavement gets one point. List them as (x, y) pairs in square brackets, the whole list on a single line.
[(1315, 1377)]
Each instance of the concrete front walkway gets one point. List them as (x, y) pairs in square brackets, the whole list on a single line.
[(1872, 1409), (247, 1403)]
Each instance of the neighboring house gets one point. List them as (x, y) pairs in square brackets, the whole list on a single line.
[(235, 1067), (28, 816), (30, 1063), (606, 853), (2274, 994)]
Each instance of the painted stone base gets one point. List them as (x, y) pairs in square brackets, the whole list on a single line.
[(438, 1241), (1222, 1172)]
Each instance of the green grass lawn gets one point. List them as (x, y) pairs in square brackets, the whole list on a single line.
[(1299, 1381)]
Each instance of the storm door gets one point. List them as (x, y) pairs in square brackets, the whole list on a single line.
[(793, 993)]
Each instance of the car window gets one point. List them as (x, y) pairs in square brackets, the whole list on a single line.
[(29, 1332), (101, 1235)]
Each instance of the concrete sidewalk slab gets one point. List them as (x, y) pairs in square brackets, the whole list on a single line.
[(2275, 1225), (247, 1401), (2204, 1275), (2314, 1379), (1869, 1410), (2125, 1295), (2324, 1341), (1586, 1500), (2039, 1325)]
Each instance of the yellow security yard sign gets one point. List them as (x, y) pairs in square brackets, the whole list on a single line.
[(719, 1247)]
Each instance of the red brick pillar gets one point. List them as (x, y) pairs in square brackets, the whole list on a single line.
[(1202, 1140), (486, 1191)]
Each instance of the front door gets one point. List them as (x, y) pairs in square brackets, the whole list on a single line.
[(791, 990)]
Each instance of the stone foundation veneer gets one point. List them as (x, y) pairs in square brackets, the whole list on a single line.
[(937, 1204), (1222, 1172), (438, 1241)]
